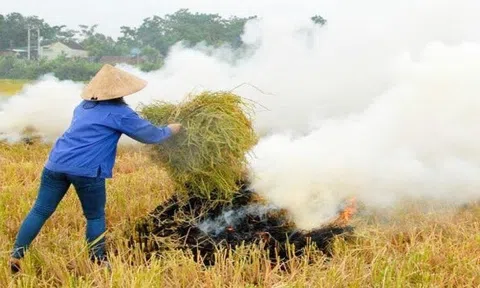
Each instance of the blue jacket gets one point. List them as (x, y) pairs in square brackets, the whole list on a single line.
[(88, 147)]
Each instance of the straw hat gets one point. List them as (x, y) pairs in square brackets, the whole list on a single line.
[(111, 83)]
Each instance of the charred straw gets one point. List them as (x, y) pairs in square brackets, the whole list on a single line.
[(182, 225)]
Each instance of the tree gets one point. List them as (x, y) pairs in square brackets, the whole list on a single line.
[(152, 39), (14, 30), (98, 44), (128, 38), (151, 54), (68, 35), (152, 33), (190, 28), (317, 19)]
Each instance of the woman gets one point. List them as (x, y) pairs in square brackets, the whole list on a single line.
[(84, 157)]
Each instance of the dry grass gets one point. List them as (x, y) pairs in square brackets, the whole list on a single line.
[(408, 248), (10, 87), (208, 155)]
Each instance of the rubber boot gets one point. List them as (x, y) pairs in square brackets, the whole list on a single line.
[(14, 264)]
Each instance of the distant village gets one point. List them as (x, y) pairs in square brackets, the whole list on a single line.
[(70, 50)]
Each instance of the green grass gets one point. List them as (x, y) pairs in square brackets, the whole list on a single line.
[(400, 248)]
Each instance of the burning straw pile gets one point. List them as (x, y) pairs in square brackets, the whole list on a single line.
[(214, 209)]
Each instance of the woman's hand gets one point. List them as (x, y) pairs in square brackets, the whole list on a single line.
[(175, 127)]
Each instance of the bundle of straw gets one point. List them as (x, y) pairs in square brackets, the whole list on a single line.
[(208, 157)]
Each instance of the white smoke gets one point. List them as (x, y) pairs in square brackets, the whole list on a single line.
[(416, 139), (45, 105), (381, 103), (234, 217)]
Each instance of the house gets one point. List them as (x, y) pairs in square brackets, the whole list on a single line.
[(70, 49), (16, 52), (112, 60), (8, 53)]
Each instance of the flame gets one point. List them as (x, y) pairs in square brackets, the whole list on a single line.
[(347, 213), (264, 236)]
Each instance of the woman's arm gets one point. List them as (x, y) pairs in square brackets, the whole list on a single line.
[(142, 130)]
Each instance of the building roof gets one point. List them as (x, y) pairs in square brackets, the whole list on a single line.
[(72, 45), (20, 49), (6, 52), (69, 44)]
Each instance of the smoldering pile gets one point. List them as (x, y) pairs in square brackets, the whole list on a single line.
[(204, 228), (214, 209)]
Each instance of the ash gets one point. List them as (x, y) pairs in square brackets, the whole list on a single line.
[(203, 228), (233, 218)]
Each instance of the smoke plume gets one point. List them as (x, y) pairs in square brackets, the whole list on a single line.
[(381, 103), (233, 217)]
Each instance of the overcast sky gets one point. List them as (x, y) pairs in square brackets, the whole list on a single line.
[(111, 14)]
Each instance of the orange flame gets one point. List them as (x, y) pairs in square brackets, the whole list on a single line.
[(346, 215), (264, 236)]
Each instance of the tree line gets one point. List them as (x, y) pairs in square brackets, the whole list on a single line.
[(152, 40)]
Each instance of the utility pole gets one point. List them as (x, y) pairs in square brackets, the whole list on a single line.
[(39, 49), (28, 51)]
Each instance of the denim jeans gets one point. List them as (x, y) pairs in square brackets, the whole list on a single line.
[(53, 187)]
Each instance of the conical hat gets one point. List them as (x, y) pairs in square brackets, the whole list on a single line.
[(111, 83)]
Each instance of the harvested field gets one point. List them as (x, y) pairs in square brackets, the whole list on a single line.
[(403, 247), (10, 87), (161, 236)]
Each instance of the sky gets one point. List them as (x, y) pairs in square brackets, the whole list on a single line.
[(112, 14)]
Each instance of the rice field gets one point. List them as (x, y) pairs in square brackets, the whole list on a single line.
[(10, 87), (406, 247)]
